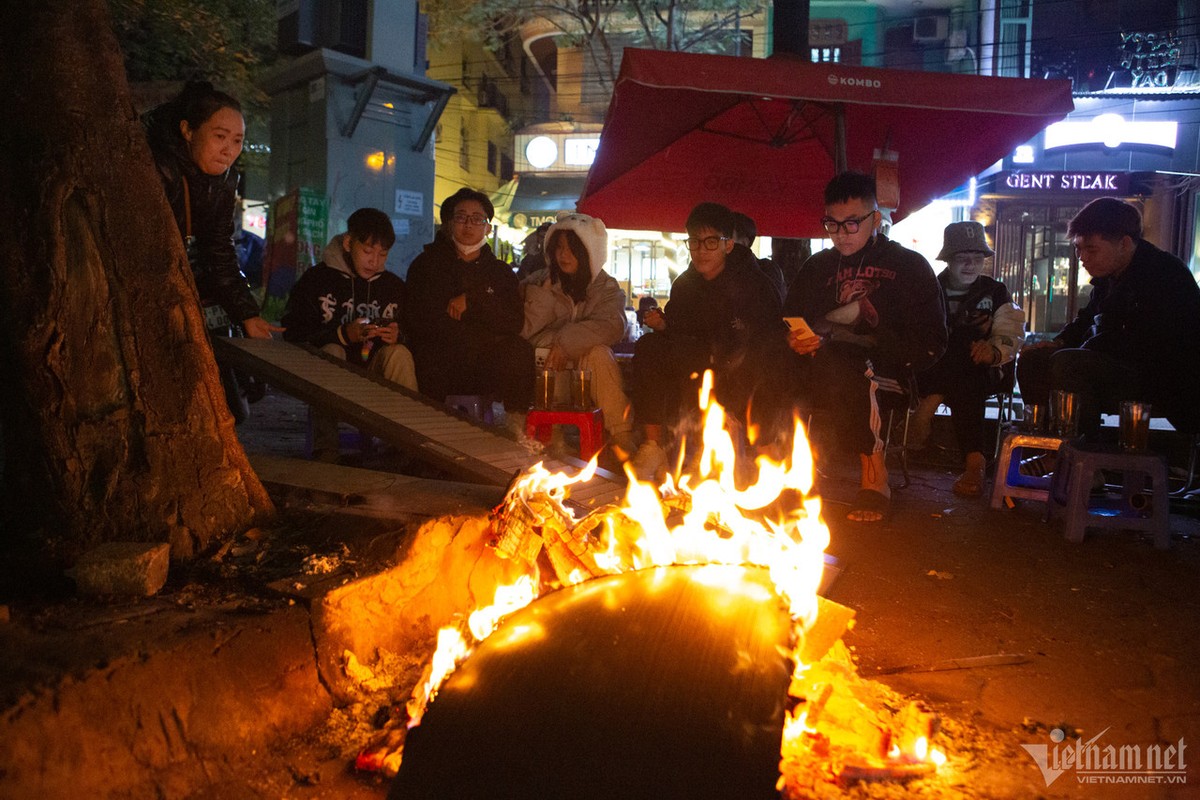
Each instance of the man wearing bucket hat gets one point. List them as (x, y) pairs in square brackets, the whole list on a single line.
[(1138, 337), (986, 329)]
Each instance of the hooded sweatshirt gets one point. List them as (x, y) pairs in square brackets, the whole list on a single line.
[(553, 317), (903, 322), (332, 294), (438, 275)]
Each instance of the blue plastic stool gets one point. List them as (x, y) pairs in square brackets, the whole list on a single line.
[(1071, 492), (475, 406), (347, 440), (1009, 482)]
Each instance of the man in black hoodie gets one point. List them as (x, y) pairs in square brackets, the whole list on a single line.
[(723, 315), (464, 313), (874, 317), (349, 305)]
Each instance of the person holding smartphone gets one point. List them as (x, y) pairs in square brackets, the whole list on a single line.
[(349, 305)]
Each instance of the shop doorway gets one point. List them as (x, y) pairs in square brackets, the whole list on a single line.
[(1037, 263)]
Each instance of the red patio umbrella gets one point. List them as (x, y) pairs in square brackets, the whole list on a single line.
[(764, 136)]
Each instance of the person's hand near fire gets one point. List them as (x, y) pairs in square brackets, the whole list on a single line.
[(654, 319)]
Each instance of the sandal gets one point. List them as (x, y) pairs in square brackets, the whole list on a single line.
[(969, 484), (869, 507)]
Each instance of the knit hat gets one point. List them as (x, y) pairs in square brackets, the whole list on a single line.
[(963, 237), (590, 231)]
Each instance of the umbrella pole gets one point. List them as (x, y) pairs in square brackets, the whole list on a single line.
[(839, 139)]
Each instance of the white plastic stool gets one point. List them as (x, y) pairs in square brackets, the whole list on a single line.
[(1070, 492)]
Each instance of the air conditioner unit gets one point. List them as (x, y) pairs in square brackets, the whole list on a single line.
[(931, 28)]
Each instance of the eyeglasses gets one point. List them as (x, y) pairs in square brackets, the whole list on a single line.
[(707, 243), (850, 225), (463, 219)]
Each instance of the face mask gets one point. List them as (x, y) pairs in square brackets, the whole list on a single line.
[(468, 249)]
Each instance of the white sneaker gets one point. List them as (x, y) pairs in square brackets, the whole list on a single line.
[(649, 463)]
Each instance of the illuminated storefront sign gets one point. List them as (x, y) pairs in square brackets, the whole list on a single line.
[(1112, 131), (556, 151), (1100, 182)]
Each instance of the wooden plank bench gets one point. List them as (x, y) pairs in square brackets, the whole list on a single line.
[(428, 430)]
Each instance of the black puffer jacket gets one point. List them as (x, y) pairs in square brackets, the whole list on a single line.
[(213, 201)]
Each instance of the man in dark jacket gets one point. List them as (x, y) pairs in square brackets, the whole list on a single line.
[(1138, 338), (464, 313), (873, 316), (349, 305), (722, 315)]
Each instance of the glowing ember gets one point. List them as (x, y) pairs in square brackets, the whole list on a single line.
[(704, 516)]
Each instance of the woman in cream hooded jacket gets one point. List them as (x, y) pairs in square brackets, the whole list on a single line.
[(575, 312)]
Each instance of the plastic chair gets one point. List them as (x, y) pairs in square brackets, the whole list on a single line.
[(1071, 492), (540, 422)]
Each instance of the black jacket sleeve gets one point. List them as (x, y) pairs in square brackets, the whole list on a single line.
[(916, 336)]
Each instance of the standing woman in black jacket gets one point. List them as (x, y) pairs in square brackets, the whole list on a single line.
[(195, 139)]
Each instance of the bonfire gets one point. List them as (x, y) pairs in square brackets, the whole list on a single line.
[(839, 728)]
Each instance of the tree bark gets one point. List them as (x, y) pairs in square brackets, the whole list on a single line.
[(114, 420)]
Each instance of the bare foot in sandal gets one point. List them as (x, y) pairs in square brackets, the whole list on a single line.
[(873, 500), (970, 483)]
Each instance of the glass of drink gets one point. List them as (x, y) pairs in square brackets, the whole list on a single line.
[(581, 388), (543, 389), (1064, 413), (1134, 431)]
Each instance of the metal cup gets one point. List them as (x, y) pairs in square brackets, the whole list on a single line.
[(543, 389), (1033, 418), (1134, 431), (581, 388), (1064, 413)]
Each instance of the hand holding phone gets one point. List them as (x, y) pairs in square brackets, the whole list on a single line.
[(799, 326), (801, 337)]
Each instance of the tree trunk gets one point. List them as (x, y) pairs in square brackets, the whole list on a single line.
[(114, 420)]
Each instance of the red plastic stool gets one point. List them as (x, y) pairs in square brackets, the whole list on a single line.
[(540, 424)]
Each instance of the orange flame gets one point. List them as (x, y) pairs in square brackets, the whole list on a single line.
[(700, 517)]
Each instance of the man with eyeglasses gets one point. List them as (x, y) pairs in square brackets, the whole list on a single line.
[(722, 314), (465, 313), (875, 317)]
